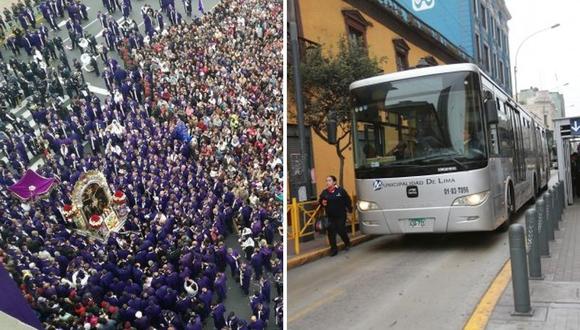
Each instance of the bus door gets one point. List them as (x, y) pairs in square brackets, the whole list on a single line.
[(519, 157), (371, 138), (540, 154)]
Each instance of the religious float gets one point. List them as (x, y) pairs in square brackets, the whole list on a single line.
[(93, 209)]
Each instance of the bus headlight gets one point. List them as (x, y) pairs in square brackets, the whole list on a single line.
[(366, 206), (471, 200)]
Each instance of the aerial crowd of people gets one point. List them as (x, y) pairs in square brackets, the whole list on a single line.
[(191, 133)]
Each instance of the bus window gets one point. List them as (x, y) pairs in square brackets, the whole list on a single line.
[(493, 133), (506, 139)]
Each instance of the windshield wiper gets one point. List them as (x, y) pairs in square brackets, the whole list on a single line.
[(446, 157)]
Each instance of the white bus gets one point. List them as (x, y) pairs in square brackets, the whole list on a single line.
[(443, 149)]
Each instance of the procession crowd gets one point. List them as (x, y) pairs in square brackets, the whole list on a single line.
[(192, 134)]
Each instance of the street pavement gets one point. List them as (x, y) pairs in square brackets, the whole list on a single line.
[(236, 302), (556, 299), (398, 282)]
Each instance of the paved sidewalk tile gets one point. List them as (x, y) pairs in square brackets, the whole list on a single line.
[(556, 299)]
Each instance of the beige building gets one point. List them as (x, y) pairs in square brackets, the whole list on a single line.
[(543, 104)]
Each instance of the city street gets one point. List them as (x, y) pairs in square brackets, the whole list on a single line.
[(399, 282)]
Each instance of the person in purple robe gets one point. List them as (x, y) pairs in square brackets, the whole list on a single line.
[(220, 286), (206, 297), (257, 263), (256, 324), (218, 312)]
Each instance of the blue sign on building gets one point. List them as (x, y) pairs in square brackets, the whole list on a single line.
[(477, 27)]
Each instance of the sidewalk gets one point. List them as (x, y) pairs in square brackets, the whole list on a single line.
[(556, 299), (319, 248)]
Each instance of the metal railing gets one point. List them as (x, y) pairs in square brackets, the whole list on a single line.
[(302, 217)]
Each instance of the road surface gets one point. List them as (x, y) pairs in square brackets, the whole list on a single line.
[(398, 282)]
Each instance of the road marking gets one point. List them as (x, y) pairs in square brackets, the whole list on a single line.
[(103, 30), (312, 307), (98, 90), (91, 23), (482, 312)]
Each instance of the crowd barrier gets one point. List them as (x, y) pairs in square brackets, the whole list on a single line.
[(301, 218)]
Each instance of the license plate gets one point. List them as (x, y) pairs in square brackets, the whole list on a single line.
[(417, 225)]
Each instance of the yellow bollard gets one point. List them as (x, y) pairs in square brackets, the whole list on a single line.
[(296, 226)]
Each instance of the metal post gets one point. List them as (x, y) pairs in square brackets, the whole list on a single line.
[(554, 211), (533, 245), (521, 286), (294, 213), (559, 201), (543, 235), (562, 197), (516, 79), (555, 207), (562, 187), (549, 215), (293, 29), (563, 201)]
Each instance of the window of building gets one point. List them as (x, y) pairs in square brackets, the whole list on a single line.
[(483, 16), (475, 6), (501, 72), (505, 42), (356, 35), (497, 35), (401, 54), (356, 26), (426, 61), (477, 48), (486, 57), (431, 60), (494, 65)]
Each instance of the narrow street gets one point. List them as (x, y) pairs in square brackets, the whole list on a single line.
[(398, 282)]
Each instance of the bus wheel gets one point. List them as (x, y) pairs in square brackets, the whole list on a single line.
[(510, 212)]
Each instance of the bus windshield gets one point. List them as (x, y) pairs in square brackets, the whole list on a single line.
[(430, 120)]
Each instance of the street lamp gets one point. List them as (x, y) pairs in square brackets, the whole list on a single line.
[(518, 51)]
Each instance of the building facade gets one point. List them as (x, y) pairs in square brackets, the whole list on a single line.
[(478, 27), (558, 100), (388, 31), (543, 104)]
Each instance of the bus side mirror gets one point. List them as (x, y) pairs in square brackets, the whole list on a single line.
[(491, 111), (331, 127)]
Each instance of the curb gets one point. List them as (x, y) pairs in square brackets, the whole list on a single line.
[(320, 253), (482, 312)]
